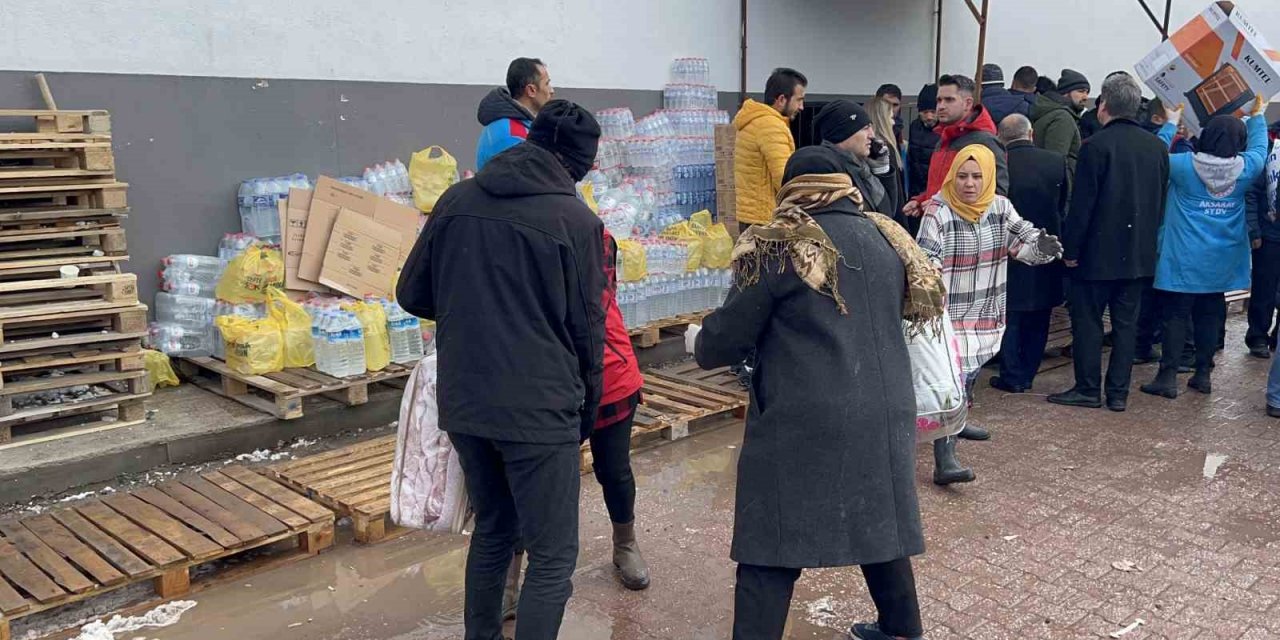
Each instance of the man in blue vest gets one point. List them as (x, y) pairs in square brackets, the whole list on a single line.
[(507, 112)]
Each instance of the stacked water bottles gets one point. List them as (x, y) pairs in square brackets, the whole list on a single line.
[(258, 201), (186, 307), (405, 331), (390, 180), (660, 296), (338, 338)]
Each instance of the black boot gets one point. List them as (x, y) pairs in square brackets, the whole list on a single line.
[(1165, 384), (972, 431), (1200, 382), (632, 570), (946, 469)]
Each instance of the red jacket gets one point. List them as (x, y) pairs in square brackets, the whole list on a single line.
[(940, 164), (621, 371)]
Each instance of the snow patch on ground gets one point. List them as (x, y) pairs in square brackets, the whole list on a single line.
[(162, 616)]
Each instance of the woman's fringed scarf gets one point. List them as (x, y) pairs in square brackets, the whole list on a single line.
[(794, 237)]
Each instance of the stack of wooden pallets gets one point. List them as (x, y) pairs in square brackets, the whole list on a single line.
[(70, 322)]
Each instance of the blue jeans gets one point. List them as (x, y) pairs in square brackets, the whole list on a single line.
[(1273, 384)]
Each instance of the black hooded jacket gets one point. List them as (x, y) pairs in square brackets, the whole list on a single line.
[(510, 266)]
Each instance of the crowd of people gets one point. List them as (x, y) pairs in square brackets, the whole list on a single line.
[(988, 211)]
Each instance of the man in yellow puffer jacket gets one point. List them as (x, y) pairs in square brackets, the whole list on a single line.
[(765, 144)]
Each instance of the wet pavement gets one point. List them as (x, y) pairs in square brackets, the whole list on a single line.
[(1081, 522)]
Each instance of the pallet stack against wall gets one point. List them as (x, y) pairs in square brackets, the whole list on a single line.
[(70, 322)]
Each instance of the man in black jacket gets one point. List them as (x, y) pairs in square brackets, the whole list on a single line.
[(1038, 189), (922, 140), (1109, 236), (510, 266), (1264, 232)]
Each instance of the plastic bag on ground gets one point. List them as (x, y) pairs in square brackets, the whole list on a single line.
[(938, 381), (427, 487), (253, 347), (159, 369), (249, 275), (633, 264), (431, 176), (377, 342), (295, 325)]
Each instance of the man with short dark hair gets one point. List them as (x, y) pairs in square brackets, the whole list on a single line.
[(961, 122), (1039, 192), (1002, 102), (764, 145), (1109, 236), (922, 141), (1056, 116), (511, 264), (507, 112)]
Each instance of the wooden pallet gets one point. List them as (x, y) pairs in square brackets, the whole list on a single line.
[(87, 154), (53, 296), (355, 481), (281, 394), (720, 380), (64, 121), (99, 194), (75, 330), (1240, 297), (156, 534), (650, 334)]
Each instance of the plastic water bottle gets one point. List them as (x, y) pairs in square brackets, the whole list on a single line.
[(180, 341), (191, 288), (188, 311), (353, 344), (244, 204)]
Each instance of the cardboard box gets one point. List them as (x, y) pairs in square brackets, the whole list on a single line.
[(293, 222), (726, 139), (727, 210), (362, 256), (1216, 64), (724, 174), (331, 196)]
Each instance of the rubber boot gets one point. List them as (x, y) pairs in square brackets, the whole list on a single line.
[(632, 570), (946, 469), (1201, 382), (1165, 384), (511, 592)]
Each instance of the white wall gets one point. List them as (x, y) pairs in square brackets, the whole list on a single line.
[(1094, 37)]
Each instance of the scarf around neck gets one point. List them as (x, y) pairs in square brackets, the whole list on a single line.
[(867, 181), (795, 237), (951, 193)]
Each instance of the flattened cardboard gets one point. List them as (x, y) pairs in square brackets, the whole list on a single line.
[(330, 196), (293, 220), (362, 257)]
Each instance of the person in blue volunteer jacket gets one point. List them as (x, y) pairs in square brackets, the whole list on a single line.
[(507, 112), (1203, 245)]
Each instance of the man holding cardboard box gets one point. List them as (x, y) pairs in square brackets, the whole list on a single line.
[(511, 267)]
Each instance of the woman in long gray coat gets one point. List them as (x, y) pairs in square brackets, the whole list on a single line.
[(826, 476)]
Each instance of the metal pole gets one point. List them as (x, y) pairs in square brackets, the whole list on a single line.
[(742, 89), (937, 47), (1168, 6)]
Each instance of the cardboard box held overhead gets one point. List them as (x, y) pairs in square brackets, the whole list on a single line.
[(362, 256), (330, 196), (1215, 65)]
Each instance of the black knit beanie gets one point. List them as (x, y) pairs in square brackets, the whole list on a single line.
[(1224, 137), (928, 99), (840, 119), (1072, 80), (569, 131)]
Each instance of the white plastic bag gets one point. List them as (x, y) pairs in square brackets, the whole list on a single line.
[(938, 380), (427, 488)]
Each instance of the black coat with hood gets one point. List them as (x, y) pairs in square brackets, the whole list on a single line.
[(1001, 102), (510, 266), (1039, 188), (922, 141)]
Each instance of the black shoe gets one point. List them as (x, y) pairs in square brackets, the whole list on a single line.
[(972, 431), (871, 631), (1165, 385), (998, 383), (1201, 382), (1117, 405), (1260, 351), (946, 469), (1147, 357), (1073, 398), (1274, 412)]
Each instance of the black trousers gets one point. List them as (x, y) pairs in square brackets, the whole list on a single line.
[(611, 463), (527, 492), (1022, 347), (762, 598), (1089, 299), (1262, 294), (1203, 311), (1150, 320)]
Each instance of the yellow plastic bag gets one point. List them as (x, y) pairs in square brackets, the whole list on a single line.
[(295, 327), (158, 369), (687, 233), (632, 263), (717, 248), (253, 347), (250, 274), (377, 342), (431, 176)]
